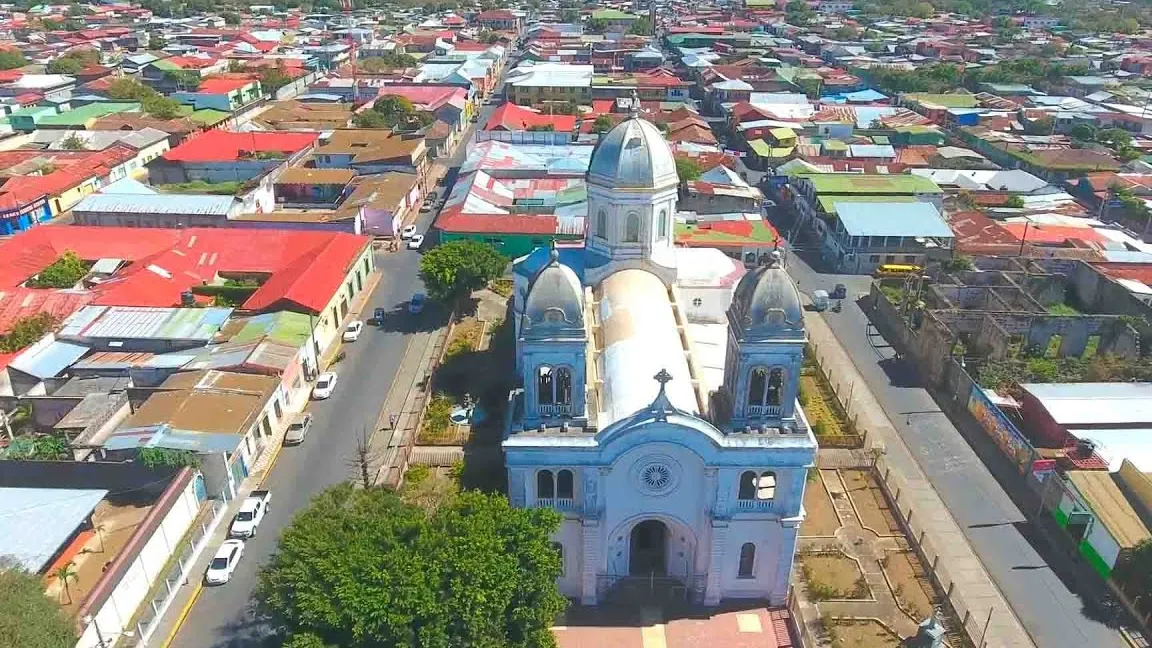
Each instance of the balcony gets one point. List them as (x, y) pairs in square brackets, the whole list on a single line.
[(558, 503), (764, 411), (555, 409), (744, 505)]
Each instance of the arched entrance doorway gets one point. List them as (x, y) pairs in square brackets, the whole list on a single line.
[(648, 549)]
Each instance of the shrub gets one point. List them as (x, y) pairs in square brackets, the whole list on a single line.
[(438, 417), (26, 332), (64, 272)]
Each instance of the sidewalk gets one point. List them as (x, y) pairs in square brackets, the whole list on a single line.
[(354, 312), (970, 582)]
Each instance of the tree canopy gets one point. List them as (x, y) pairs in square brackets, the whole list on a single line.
[(64, 272), (687, 169), (28, 618), (388, 61), (361, 567), (11, 59), (456, 268)]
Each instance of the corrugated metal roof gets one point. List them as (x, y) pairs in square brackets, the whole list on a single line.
[(49, 360), (164, 436), (1098, 403), (124, 322), (35, 522), (892, 219), (123, 203)]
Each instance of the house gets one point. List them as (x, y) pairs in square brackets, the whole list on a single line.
[(499, 20), (227, 156), (864, 235), (130, 204), (549, 83), (222, 94), (368, 151), (1102, 521), (510, 118)]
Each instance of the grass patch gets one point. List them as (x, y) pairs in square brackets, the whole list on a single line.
[(502, 287), (832, 575), (201, 187), (437, 419), (465, 337)]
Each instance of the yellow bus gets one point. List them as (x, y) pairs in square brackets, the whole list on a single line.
[(896, 270)]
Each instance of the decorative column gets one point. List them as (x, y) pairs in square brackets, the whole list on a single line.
[(517, 487), (589, 561), (786, 554), (716, 561)]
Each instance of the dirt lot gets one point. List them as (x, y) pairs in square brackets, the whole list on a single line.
[(870, 503), (833, 576), (862, 634), (821, 519), (909, 583)]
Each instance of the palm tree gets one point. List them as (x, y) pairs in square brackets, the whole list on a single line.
[(65, 573), (99, 527)]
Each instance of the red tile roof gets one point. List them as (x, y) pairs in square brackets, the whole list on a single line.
[(220, 146), (430, 96), (454, 220), (512, 117), (72, 168), (306, 267)]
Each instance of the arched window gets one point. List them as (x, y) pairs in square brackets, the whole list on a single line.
[(766, 487), (564, 482), (602, 223), (662, 224), (545, 386), (747, 486), (545, 486), (775, 385), (757, 386), (632, 228), (563, 386), (747, 561)]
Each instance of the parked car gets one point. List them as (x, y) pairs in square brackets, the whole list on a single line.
[(415, 242), (325, 385), (408, 232), (224, 563), (251, 514), (820, 300), (352, 331), (416, 306), (299, 428)]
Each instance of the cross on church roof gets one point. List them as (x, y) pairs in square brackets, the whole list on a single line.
[(661, 406)]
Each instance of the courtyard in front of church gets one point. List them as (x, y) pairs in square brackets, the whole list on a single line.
[(687, 627)]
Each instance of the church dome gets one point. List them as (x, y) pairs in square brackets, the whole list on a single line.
[(766, 300), (555, 298), (633, 155)]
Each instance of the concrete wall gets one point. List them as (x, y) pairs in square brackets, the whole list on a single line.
[(144, 569)]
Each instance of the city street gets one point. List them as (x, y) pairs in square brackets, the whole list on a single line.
[(221, 616), (1047, 592)]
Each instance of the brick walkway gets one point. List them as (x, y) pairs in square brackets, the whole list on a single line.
[(653, 627)]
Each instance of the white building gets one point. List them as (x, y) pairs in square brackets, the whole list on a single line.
[(658, 405)]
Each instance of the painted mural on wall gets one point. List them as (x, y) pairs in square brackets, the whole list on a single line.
[(1002, 430)]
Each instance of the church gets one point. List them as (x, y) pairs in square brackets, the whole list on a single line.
[(656, 406)]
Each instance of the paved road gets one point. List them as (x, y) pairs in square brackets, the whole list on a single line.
[(219, 617), (998, 532)]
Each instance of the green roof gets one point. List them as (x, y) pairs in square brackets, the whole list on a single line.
[(206, 116), (285, 327), (753, 232), (958, 100), (165, 65), (828, 203), (84, 114), (881, 139), (612, 14), (856, 183), (835, 145), (760, 147)]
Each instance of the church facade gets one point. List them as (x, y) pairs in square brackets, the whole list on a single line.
[(657, 408)]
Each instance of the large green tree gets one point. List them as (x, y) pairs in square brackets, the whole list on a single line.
[(11, 59), (456, 268), (28, 618), (361, 568)]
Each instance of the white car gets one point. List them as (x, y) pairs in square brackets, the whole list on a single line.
[(352, 331), (325, 385), (251, 513), (227, 557), (415, 242), (408, 232)]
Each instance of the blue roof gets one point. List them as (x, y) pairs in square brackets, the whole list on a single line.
[(36, 522), (529, 264), (49, 360), (892, 219), (862, 95), (165, 436)]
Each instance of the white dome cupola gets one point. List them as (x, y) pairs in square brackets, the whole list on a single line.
[(632, 191)]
